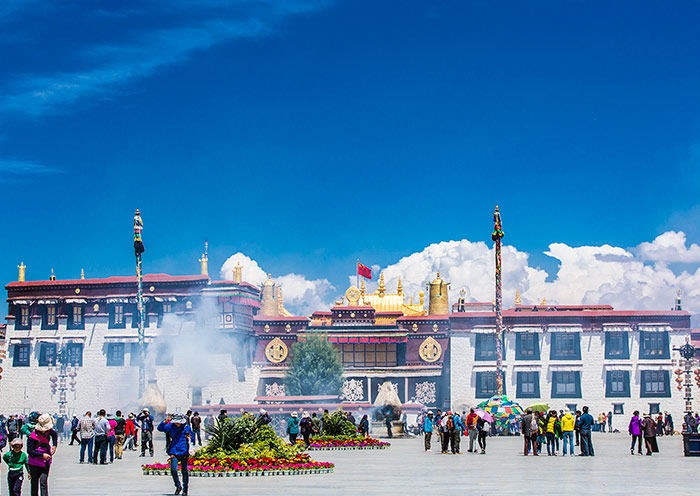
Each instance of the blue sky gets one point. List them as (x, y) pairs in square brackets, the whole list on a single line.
[(306, 134)]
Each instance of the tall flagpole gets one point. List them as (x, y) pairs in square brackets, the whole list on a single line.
[(496, 237), (357, 272), (138, 250)]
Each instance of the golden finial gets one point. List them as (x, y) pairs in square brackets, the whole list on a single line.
[(53, 276), (280, 300), (399, 289), (421, 295), (82, 273), (362, 287), (381, 289), (544, 301), (22, 269), (205, 259), (518, 301)]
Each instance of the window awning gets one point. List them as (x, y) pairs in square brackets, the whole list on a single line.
[(165, 298), (121, 300), (655, 328), (79, 301), (51, 339), (74, 339), (368, 338), (47, 302), (20, 302), (20, 339)]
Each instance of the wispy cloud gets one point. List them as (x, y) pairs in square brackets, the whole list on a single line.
[(12, 169), (110, 67)]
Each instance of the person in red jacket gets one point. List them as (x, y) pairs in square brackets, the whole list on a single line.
[(130, 433)]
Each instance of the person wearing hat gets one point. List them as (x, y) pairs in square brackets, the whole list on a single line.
[(306, 428), (40, 453), (146, 424), (293, 428), (16, 460), (428, 430), (178, 449)]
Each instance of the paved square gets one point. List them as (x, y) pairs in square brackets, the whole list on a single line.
[(405, 469)]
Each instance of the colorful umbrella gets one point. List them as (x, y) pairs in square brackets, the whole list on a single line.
[(539, 407), (484, 415), (501, 407)]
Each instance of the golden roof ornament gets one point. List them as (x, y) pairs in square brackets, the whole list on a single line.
[(381, 289), (362, 287), (22, 269), (205, 260), (82, 273), (52, 277), (399, 289), (544, 301), (518, 301), (238, 273)]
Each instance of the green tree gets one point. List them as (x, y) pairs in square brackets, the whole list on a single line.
[(315, 368)]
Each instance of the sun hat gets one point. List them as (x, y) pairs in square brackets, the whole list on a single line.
[(294, 414), (306, 415), (178, 418), (44, 423), (16, 441)]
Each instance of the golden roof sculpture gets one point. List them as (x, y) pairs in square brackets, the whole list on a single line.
[(382, 301)]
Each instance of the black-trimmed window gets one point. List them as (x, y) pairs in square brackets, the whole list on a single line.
[(23, 319), (617, 384), (20, 356), (74, 354), (115, 354), (654, 408), (653, 345), (49, 321), (485, 349), (47, 354), (116, 316), (135, 317), (566, 384), (370, 355), (528, 385), (486, 384), (76, 318), (618, 408), (527, 346), (565, 346), (655, 384), (617, 345)]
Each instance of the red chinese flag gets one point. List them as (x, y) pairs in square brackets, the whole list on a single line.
[(364, 271)]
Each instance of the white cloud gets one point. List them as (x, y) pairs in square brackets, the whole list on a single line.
[(301, 295), (669, 247), (586, 275)]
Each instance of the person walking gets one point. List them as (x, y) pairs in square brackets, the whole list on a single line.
[(74, 430), (60, 425), (484, 427), (196, 426), (179, 449), (428, 431), (293, 428), (102, 429), (577, 427), (669, 425), (529, 429), (363, 428), (146, 423), (567, 432), (443, 427), (39, 454), (456, 434), (87, 435), (649, 432), (17, 463), (471, 429), (111, 437), (130, 433), (306, 428), (586, 427), (635, 430), (660, 425), (119, 434), (387, 422), (549, 433), (436, 425), (610, 417)]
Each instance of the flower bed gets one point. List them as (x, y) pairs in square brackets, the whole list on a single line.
[(345, 443), (227, 467)]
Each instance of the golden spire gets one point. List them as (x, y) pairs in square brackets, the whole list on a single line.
[(22, 269), (362, 287), (399, 290), (82, 273), (238, 273), (381, 289), (544, 301), (421, 294), (53, 276), (205, 260), (518, 301), (268, 305), (280, 300)]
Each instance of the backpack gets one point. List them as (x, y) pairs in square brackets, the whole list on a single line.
[(450, 424), (534, 427), (120, 428)]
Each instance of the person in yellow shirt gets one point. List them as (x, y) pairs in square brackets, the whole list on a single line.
[(567, 430), (549, 423)]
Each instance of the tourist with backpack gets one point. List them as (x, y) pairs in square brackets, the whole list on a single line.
[(484, 427), (456, 433), (119, 435), (529, 430), (306, 428)]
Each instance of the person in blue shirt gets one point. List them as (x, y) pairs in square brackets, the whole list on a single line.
[(456, 434), (428, 429), (179, 448), (586, 427), (146, 425)]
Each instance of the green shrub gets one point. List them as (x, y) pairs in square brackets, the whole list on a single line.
[(337, 424)]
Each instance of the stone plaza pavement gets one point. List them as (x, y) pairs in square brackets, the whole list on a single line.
[(406, 469)]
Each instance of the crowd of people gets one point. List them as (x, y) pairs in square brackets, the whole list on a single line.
[(101, 438)]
